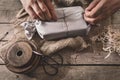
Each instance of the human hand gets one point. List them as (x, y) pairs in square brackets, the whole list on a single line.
[(100, 9), (40, 9)]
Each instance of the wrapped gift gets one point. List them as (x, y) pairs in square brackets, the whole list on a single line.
[(70, 23)]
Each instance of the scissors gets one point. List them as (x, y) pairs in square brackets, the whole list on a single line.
[(45, 62)]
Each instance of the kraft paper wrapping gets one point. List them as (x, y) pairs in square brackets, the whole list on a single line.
[(70, 23)]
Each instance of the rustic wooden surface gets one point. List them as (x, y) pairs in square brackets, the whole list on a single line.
[(8, 9)]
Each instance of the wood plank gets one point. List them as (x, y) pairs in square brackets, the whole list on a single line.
[(91, 73), (7, 15), (5, 74), (8, 10), (80, 73), (10, 5), (89, 57), (66, 73), (4, 28)]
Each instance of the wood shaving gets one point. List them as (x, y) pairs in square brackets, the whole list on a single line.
[(110, 38)]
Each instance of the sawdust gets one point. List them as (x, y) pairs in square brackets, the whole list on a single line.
[(110, 38)]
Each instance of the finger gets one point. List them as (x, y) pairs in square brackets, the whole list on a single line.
[(92, 5), (38, 11), (31, 12), (51, 9), (97, 10), (94, 20), (89, 20), (44, 9)]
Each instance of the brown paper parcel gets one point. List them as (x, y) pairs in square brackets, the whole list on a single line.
[(70, 23)]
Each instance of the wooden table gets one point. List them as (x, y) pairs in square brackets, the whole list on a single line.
[(8, 10)]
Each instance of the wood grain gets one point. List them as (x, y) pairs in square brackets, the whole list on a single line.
[(4, 28), (6, 16), (66, 73), (10, 5), (8, 10)]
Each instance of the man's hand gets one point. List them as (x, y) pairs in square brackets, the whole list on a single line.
[(40, 9), (100, 9)]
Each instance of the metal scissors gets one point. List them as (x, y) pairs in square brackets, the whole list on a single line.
[(48, 60)]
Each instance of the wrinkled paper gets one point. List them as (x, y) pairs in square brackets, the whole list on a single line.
[(70, 23)]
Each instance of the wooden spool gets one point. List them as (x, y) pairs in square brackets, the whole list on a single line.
[(20, 58)]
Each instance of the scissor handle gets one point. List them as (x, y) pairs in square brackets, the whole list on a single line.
[(46, 58), (53, 66), (49, 73), (50, 57)]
